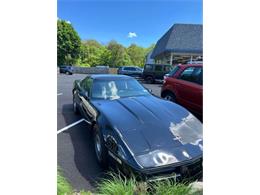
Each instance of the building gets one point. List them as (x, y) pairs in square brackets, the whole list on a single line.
[(180, 44), (148, 59)]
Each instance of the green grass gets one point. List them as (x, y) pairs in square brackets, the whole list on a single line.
[(168, 187), (119, 185), (63, 186)]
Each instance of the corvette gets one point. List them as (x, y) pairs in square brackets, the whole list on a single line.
[(144, 135)]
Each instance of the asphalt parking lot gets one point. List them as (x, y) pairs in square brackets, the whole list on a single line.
[(76, 156)]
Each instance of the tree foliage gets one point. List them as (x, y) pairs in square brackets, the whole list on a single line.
[(136, 54), (68, 43), (119, 56), (73, 51), (92, 53)]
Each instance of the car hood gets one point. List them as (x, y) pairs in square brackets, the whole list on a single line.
[(148, 124)]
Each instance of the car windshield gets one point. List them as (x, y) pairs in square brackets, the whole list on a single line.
[(115, 89), (174, 70)]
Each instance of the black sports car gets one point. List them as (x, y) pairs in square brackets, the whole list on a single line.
[(144, 135)]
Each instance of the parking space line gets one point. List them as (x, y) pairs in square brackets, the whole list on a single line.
[(71, 125), (59, 94)]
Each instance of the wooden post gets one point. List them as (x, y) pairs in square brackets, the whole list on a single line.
[(171, 58)]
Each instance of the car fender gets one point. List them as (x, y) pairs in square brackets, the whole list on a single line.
[(170, 88)]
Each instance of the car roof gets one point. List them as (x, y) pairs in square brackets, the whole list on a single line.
[(188, 65), (129, 66), (159, 64), (109, 76)]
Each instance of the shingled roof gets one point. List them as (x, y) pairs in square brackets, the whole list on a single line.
[(180, 38)]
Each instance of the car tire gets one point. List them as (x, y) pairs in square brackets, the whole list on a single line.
[(149, 79), (67, 73), (100, 148), (75, 108), (170, 97)]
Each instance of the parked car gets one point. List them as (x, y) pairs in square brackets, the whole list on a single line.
[(66, 69), (183, 85), (154, 72), (141, 134), (102, 66), (130, 71)]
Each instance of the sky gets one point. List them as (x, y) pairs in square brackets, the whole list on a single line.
[(141, 22)]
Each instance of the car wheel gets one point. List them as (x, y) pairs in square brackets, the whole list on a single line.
[(149, 80), (75, 108), (170, 97), (100, 149), (67, 73)]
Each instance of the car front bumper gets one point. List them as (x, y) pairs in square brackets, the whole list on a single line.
[(185, 171)]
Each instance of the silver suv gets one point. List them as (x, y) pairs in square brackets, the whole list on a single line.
[(130, 71)]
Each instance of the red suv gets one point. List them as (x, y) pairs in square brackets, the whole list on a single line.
[(183, 85)]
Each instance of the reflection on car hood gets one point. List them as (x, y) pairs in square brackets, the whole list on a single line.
[(148, 124)]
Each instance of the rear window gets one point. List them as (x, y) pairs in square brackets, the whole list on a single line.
[(148, 67)]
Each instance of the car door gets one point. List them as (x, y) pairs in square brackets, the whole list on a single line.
[(189, 88), (148, 70), (158, 71), (130, 71), (133, 71), (87, 109), (126, 71)]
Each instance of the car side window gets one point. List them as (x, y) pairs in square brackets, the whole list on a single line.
[(158, 68), (186, 74), (198, 76), (127, 68), (86, 84), (130, 68), (133, 69), (192, 74)]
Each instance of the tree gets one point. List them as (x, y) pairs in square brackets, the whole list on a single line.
[(119, 56), (136, 54), (68, 43), (105, 57), (92, 53)]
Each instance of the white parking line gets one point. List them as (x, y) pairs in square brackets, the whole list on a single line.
[(59, 94), (71, 125)]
